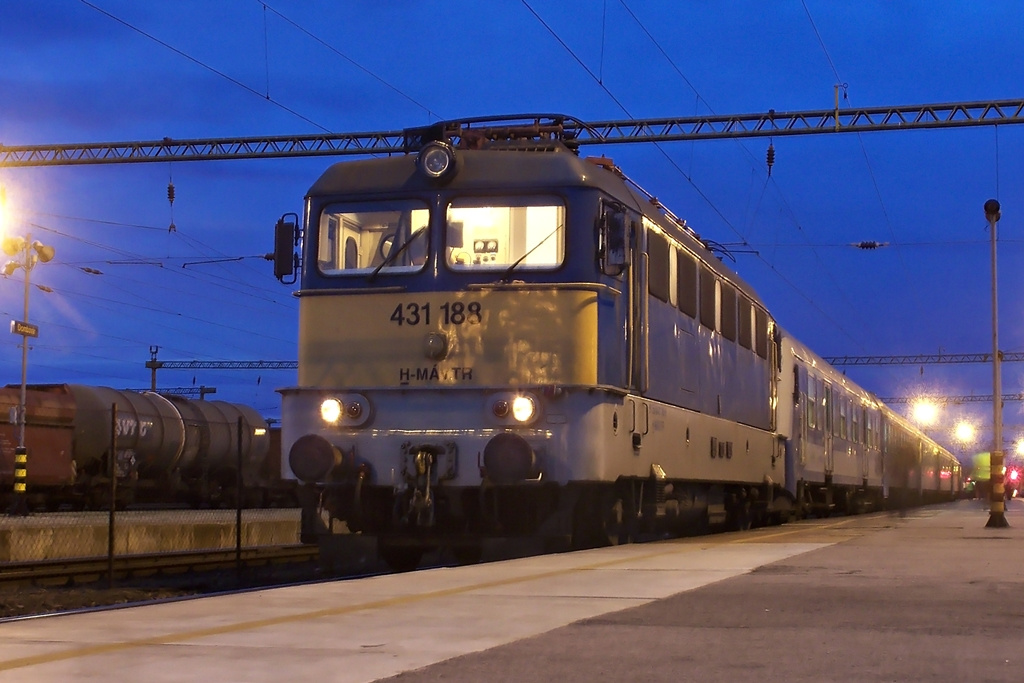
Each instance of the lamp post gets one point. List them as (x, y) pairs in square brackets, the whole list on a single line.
[(997, 511), (27, 253)]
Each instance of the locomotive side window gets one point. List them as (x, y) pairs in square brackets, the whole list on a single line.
[(386, 237), (500, 233), (761, 332), (673, 276), (686, 279), (746, 314), (708, 296), (658, 265), (612, 251), (728, 312)]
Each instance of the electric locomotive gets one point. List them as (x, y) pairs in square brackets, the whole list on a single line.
[(498, 337)]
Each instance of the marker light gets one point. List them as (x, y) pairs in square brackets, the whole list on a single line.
[(353, 410), (500, 408), (330, 410), (523, 408), (436, 160)]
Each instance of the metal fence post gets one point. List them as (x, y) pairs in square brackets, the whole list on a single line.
[(113, 494), (238, 503)]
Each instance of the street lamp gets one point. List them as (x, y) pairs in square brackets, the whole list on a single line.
[(997, 511), (26, 254)]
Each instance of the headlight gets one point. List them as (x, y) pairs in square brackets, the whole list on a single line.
[(436, 160), (523, 408), (330, 410)]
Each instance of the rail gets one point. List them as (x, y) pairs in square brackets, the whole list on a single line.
[(76, 571)]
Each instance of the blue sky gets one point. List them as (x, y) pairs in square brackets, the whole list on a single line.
[(115, 70)]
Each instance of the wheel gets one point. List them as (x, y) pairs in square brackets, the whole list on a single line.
[(599, 520)]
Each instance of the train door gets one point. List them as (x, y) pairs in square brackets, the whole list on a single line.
[(622, 254), (863, 447), (796, 448), (637, 332), (830, 460), (636, 328)]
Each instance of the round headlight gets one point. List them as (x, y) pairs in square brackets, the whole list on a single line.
[(523, 408), (330, 410), (354, 410), (436, 160)]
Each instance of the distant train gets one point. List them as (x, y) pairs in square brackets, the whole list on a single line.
[(168, 449), (499, 338)]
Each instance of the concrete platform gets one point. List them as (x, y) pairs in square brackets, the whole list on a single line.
[(933, 596), (64, 535)]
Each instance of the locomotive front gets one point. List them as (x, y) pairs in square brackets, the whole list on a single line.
[(448, 324)]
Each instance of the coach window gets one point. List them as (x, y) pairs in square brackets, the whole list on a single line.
[(657, 265), (686, 283), (383, 237), (844, 432), (708, 297), (504, 233), (812, 404), (728, 312)]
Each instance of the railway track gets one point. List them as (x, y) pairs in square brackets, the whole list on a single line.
[(73, 572)]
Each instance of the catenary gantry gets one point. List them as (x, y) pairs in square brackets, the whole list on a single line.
[(769, 124)]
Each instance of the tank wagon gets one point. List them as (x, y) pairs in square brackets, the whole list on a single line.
[(169, 449), (498, 337)]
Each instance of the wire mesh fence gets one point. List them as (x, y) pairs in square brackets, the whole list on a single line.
[(91, 534)]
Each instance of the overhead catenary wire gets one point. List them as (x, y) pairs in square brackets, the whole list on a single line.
[(725, 220), (204, 65), (770, 160)]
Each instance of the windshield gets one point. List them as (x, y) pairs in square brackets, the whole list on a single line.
[(385, 237), (505, 233)]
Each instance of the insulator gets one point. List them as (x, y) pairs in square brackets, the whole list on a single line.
[(170, 192), (771, 157)]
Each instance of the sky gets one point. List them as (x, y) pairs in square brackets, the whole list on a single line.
[(75, 71)]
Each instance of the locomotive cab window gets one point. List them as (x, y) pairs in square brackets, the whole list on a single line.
[(385, 237), (492, 233)]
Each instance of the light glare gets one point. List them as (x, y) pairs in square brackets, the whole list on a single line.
[(330, 410), (964, 433), (925, 412), (523, 408)]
